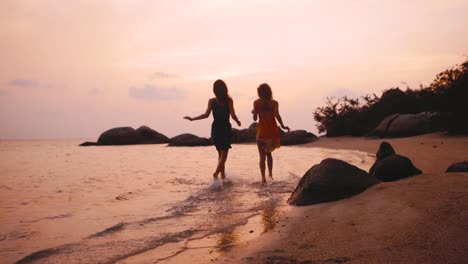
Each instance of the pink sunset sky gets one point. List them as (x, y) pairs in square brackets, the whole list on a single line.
[(72, 69)]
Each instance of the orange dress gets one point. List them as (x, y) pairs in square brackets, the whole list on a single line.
[(267, 130)]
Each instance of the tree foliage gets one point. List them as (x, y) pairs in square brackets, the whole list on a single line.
[(447, 94)]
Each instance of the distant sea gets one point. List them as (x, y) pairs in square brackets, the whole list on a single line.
[(62, 203)]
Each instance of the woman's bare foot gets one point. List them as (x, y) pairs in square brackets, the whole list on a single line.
[(271, 176), (215, 176), (263, 179)]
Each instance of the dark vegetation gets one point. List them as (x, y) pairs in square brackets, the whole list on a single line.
[(447, 95)]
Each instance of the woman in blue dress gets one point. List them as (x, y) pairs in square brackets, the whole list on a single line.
[(222, 107)]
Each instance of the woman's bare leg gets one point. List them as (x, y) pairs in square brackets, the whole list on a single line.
[(215, 174), (261, 152), (223, 172), (222, 157), (270, 165)]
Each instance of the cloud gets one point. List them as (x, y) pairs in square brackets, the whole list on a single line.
[(164, 75), (23, 83), (150, 92), (3, 93)]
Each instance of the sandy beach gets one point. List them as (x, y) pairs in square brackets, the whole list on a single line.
[(423, 219), (55, 209)]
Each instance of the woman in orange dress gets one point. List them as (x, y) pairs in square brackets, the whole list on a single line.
[(268, 136)]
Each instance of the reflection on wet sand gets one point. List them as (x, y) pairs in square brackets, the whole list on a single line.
[(228, 236), (226, 240), (231, 236), (269, 217)]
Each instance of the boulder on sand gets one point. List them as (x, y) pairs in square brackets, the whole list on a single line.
[(297, 137), (458, 167), (405, 125), (330, 180), (384, 151), (189, 140), (390, 166)]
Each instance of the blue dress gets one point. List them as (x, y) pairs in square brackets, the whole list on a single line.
[(221, 130)]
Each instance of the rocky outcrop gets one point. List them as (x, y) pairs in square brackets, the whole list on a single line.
[(404, 125), (128, 136), (120, 136), (146, 135), (297, 137), (330, 180), (382, 128), (240, 136), (458, 167), (390, 166), (253, 126), (151, 136), (245, 135), (189, 140)]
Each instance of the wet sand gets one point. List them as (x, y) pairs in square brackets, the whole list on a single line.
[(423, 219)]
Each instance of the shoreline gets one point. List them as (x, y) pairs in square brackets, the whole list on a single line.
[(421, 219), (412, 218)]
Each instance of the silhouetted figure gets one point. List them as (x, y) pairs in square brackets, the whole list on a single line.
[(223, 108), (268, 137)]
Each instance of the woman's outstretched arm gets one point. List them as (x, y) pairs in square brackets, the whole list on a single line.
[(233, 112), (278, 117), (202, 116)]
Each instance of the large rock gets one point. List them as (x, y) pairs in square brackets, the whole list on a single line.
[(458, 167), (189, 140), (151, 136), (404, 125), (330, 180), (120, 136), (249, 135), (253, 126), (297, 137), (384, 151), (245, 135), (129, 136), (382, 128), (88, 143), (390, 166)]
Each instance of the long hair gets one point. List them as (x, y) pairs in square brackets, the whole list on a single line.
[(264, 92), (221, 91)]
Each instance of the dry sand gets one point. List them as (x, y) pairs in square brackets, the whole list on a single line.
[(423, 219)]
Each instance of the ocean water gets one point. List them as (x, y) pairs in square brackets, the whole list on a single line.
[(62, 203)]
